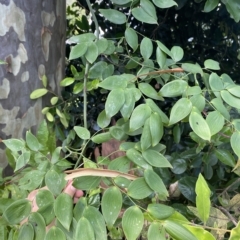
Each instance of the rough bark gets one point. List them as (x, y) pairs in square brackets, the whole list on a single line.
[(32, 42)]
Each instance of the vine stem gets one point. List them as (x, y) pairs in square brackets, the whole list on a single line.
[(85, 84)]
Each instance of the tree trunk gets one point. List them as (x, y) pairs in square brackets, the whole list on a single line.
[(32, 42)]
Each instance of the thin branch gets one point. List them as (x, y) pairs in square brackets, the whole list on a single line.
[(94, 18), (233, 220)]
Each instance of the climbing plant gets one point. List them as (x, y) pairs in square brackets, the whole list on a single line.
[(176, 125)]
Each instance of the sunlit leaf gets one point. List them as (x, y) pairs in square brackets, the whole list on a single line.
[(38, 93)]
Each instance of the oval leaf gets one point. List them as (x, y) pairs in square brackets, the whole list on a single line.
[(146, 48), (160, 211), (131, 38), (38, 93), (82, 132), (55, 233), (132, 222), (137, 158), (92, 52), (215, 121), (211, 64), (177, 53), (111, 205), (113, 16), (235, 143), (102, 120), (156, 128), (174, 89), (26, 232), (86, 182), (225, 157), (38, 224), (230, 99), (84, 230), (78, 50)]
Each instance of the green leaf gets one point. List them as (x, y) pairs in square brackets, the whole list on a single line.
[(233, 8), (177, 231), (67, 81), (128, 105), (230, 99), (92, 52), (102, 120), (38, 93), (122, 182), (17, 211), (195, 90), (63, 208), (78, 51), (44, 80), (111, 205), (86, 182), (149, 91), (180, 110), (156, 159), (121, 2), (38, 224), (234, 90), (209, 63), (146, 137), (44, 198), (117, 133), (179, 165), (235, 143), (137, 158), (156, 184), (164, 3), (54, 100), (235, 232), (192, 68), (102, 137), (203, 202), (210, 5), (116, 81), (55, 181), (22, 160), (26, 232), (216, 83), (164, 48), (86, 37), (145, 13), (156, 128), (111, 48), (121, 164), (113, 16), (55, 233), (218, 104), (198, 101), (200, 232), (174, 88), (102, 45), (139, 116), (154, 232), (132, 222), (82, 132), (187, 187), (131, 38), (160, 211), (139, 189), (161, 57), (225, 157), (114, 102), (146, 48), (84, 230), (199, 125), (156, 109), (97, 221), (32, 141), (177, 53), (215, 121), (14, 145)]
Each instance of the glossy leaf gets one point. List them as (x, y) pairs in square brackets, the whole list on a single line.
[(97, 221), (131, 38), (156, 128), (146, 48), (137, 158), (199, 125), (230, 99), (26, 232), (154, 232), (174, 88), (215, 121), (180, 110), (186, 186), (164, 3), (235, 143), (209, 63), (113, 15), (149, 91), (132, 222), (177, 53), (38, 93), (92, 52), (54, 100), (156, 159), (177, 231), (160, 211), (67, 81), (146, 138), (84, 230), (38, 224), (139, 189), (86, 182), (139, 116), (17, 211), (63, 207), (78, 50), (82, 132), (203, 202), (55, 233), (145, 13), (111, 205)]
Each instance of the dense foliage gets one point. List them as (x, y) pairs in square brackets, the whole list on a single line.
[(158, 106)]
